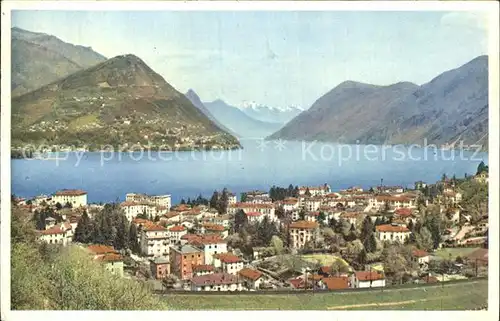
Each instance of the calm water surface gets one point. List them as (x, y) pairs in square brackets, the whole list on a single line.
[(108, 177)]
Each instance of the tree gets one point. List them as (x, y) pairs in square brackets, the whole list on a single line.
[(214, 200), (133, 239), (395, 263), (243, 197), (277, 244), (362, 257), (321, 217), (424, 239), (481, 168), (240, 221), (84, 229), (308, 192), (183, 201), (68, 205), (370, 244), (367, 228), (443, 178), (338, 267), (58, 206), (265, 231), (302, 215), (410, 225)]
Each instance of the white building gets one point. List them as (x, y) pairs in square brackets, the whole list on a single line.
[(211, 245), (251, 278), (302, 232), (392, 233), (312, 204), (216, 282), (315, 190), (59, 234), (231, 199), (75, 197), (160, 200), (367, 279), (290, 204), (132, 209), (229, 262), (264, 209), (421, 257), (176, 233), (223, 220), (154, 240)]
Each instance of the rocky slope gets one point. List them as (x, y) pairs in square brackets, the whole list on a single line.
[(121, 101), (451, 107)]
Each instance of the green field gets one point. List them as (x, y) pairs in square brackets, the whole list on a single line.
[(324, 259), (454, 296), (444, 253)]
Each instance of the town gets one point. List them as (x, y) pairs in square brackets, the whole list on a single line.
[(287, 238)]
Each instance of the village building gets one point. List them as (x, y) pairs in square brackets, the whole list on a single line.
[(223, 220), (182, 260), (311, 216), (312, 203), (367, 279), (210, 244), (210, 228), (405, 214), (251, 278), (378, 202), (265, 209), (108, 256), (335, 283), (75, 197), (154, 240), (315, 190), (231, 198), (176, 233), (392, 233), (421, 257), (290, 204), (302, 232), (61, 233), (352, 217), (482, 177), (160, 200), (452, 197), (254, 217), (228, 262), (203, 269), (216, 282), (132, 209), (160, 267)]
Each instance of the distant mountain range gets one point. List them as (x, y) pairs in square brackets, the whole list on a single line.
[(39, 59), (196, 101), (239, 122), (451, 107), (269, 114), (119, 101)]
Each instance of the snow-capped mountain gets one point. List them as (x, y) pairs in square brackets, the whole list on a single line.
[(269, 114)]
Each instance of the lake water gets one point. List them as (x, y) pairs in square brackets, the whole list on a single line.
[(108, 177)]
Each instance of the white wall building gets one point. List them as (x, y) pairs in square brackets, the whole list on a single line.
[(367, 279), (75, 197), (154, 241)]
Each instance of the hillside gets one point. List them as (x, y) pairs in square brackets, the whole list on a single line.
[(39, 59), (120, 101), (452, 106), (196, 101), (240, 123)]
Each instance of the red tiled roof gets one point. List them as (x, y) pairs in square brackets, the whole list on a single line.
[(53, 230), (141, 221), (336, 283), (110, 257), (430, 279), (205, 239), (153, 227), (393, 198), (178, 228), (304, 225), (250, 205), (420, 253), (214, 279), (369, 276), (326, 269), (313, 213), (203, 267), (71, 192), (101, 249), (227, 257), (391, 228), (253, 214), (213, 227), (403, 211), (250, 274)]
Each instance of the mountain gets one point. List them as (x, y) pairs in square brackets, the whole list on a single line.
[(453, 106), (269, 114), (196, 101), (119, 101), (39, 59), (240, 123)]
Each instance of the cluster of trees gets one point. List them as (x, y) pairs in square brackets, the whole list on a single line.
[(65, 278), (277, 193), (220, 201), (474, 199), (200, 200), (109, 226), (39, 217), (248, 235)]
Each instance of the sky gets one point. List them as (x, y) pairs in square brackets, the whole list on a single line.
[(274, 58)]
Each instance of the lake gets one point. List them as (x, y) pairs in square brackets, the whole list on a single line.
[(109, 176)]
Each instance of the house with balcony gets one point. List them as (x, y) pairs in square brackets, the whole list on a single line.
[(302, 232), (392, 233), (216, 282), (183, 258), (154, 240), (228, 263)]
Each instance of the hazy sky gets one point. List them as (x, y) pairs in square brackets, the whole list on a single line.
[(274, 58)]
